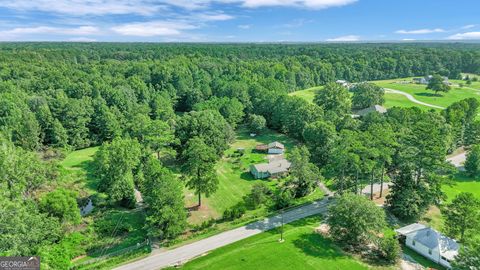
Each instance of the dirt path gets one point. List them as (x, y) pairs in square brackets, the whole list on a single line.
[(411, 98)]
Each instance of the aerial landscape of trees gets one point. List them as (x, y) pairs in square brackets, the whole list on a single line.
[(163, 115)]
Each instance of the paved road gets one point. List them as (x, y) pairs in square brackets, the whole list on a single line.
[(411, 98), (187, 252)]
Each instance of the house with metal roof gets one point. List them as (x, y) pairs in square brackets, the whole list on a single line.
[(374, 108), (429, 243), (274, 169)]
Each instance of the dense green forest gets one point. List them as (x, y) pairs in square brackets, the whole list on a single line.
[(152, 105)]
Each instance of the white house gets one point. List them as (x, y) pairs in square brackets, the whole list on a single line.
[(429, 243), (276, 148)]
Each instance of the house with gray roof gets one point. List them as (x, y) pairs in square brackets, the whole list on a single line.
[(374, 108), (429, 243), (274, 169)]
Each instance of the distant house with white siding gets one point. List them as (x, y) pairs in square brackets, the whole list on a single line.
[(429, 243)]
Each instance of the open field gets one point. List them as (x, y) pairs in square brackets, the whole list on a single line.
[(418, 91), (235, 180), (302, 249), (422, 94), (306, 94)]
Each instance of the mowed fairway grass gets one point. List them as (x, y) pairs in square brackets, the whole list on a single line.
[(302, 249)]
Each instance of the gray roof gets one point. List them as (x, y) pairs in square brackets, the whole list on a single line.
[(276, 145), (432, 239), (374, 108), (276, 166)]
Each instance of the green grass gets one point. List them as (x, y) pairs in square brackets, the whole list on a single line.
[(302, 249), (422, 94), (77, 159), (235, 180), (306, 94), (462, 183), (398, 100)]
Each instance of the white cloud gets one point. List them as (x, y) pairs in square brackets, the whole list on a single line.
[(468, 26), (408, 39), (86, 7), (420, 31), (314, 4), (215, 17), (153, 28), (244, 26), (82, 30), (467, 35), (348, 38)]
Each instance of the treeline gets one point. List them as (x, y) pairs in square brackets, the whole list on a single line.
[(148, 104)]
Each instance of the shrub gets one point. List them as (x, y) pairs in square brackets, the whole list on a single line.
[(62, 204), (237, 211)]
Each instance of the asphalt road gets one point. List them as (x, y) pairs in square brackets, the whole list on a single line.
[(187, 252)]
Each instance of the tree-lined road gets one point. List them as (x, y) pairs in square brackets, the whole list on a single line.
[(187, 252)]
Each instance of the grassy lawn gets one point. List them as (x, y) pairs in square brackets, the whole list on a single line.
[(306, 94), (108, 230), (462, 183), (76, 160), (398, 100), (422, 94), (302, 249), (235, 180)]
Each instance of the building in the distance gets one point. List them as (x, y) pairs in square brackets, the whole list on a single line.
[(429, 243)]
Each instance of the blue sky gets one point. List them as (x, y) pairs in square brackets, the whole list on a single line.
[(239, 20)]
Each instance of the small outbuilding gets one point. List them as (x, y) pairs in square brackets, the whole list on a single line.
[(429, 243), (276, 148)]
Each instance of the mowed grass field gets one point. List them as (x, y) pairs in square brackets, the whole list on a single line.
[(302, 249), (462, 183), (235, 180), (419, 91), (306, 94)]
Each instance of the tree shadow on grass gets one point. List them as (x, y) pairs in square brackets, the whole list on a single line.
[(315, 245), (427, 94), (88, 168)]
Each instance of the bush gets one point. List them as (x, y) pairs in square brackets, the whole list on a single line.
[(388, 248), (62, 204), (259, 194), (283, 199), (234, 212)]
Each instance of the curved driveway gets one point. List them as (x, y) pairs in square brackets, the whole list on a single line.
[(411, 98)]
